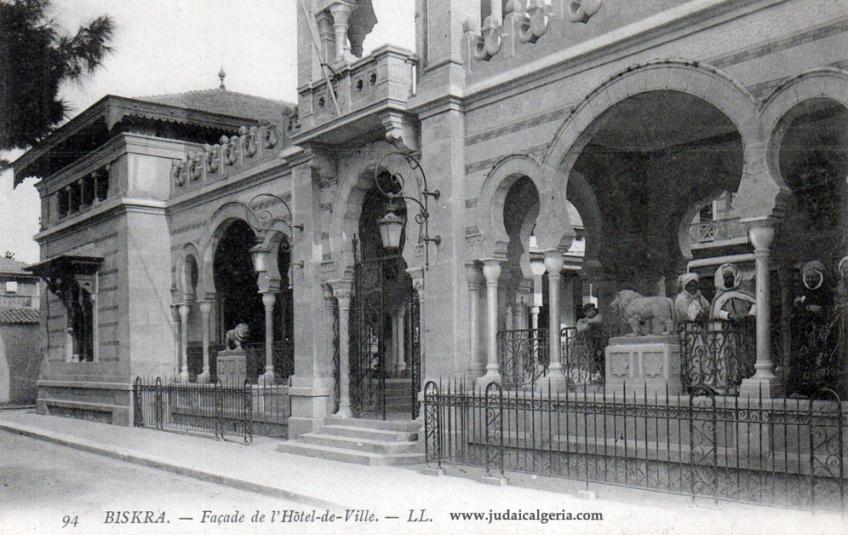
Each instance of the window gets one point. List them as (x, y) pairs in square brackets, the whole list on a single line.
[(11, 287), (706, 213)]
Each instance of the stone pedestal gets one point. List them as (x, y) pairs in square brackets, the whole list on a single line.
[(635, 364), (232, 366)]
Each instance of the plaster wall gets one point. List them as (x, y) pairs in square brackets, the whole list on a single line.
[(20, 361)]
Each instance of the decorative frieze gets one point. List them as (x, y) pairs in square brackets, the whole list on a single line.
[(215, 162)]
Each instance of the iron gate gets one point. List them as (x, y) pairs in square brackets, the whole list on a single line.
[(380, 381)]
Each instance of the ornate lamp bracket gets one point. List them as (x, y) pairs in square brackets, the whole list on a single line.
[(396, 185), (263, 220)]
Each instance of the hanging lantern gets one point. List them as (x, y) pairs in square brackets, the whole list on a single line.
[(260, 257), (391, 228)]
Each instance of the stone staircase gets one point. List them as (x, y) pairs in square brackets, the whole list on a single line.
[(361, 441)]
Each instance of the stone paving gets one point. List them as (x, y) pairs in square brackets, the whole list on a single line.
[(394, 491)]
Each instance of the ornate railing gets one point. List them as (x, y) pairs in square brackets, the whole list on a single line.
[(788, 453), (816, 349), (717, 354), (523, 356), (710, 231), (16, 301), (583, 355)]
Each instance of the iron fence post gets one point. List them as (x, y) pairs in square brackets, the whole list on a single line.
[(248, 410), (138, 415), (158, 411)]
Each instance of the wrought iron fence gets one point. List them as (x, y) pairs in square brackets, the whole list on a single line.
[(224, 410), (781, 452), (523, 356), (717, 354), (583, 356)]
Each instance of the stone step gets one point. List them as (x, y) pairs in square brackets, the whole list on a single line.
[(370, 434), (296, 447), (409, 426), (360, 444)]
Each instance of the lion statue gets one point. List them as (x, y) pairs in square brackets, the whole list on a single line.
[(645, 315), (237, 336)]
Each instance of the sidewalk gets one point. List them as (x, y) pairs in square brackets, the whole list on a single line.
[(396, 490)]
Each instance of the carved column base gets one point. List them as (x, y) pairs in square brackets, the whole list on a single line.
[(491, 376), (344, 411), (267, 378), (204, 377), (767, 387)]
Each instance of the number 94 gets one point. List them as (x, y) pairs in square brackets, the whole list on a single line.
[(69, 520)]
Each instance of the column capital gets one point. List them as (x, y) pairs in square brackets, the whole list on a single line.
[(205, 307), (761, 233), (184, 308), (553, 262), (268, 299), (491, 270)]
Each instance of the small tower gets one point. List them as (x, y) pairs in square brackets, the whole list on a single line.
[(221, 76)]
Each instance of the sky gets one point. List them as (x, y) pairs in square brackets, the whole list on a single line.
[(170, 46)]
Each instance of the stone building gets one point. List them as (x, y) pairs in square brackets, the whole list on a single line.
[(20, 355), (628, 142)]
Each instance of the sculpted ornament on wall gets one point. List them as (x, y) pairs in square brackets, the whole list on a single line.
[(583, 10)]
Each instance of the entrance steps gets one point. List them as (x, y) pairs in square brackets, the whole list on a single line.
[(361, 441)]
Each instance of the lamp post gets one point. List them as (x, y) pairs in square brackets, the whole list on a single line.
[(392, 224)]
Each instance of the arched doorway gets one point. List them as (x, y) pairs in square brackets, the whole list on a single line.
[(385, 342), (811, 157), (648, 160), (238, 297)]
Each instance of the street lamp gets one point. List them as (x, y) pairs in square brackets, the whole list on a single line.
[(392, 224)]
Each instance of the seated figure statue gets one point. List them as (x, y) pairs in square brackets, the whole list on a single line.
[(237, 336), (731, 301)]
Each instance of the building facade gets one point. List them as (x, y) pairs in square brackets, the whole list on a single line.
[(540, 156)]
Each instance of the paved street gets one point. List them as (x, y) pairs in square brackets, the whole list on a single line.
[(41, 483)]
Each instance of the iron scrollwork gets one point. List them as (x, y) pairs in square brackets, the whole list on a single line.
[(394, 188)]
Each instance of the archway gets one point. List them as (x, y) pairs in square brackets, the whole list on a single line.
[(384, 357), (237, 292), (643, 180), (810, 152)]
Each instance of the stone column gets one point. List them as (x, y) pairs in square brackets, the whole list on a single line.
[(184, 311), (401, 338), (268, 300), (95, 328), (324, 21), (175, 317), (341, 18), (342, 291), (761, 234), (205, 309), (496, 10), (474, 278), (553, 265), (492, 273)]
